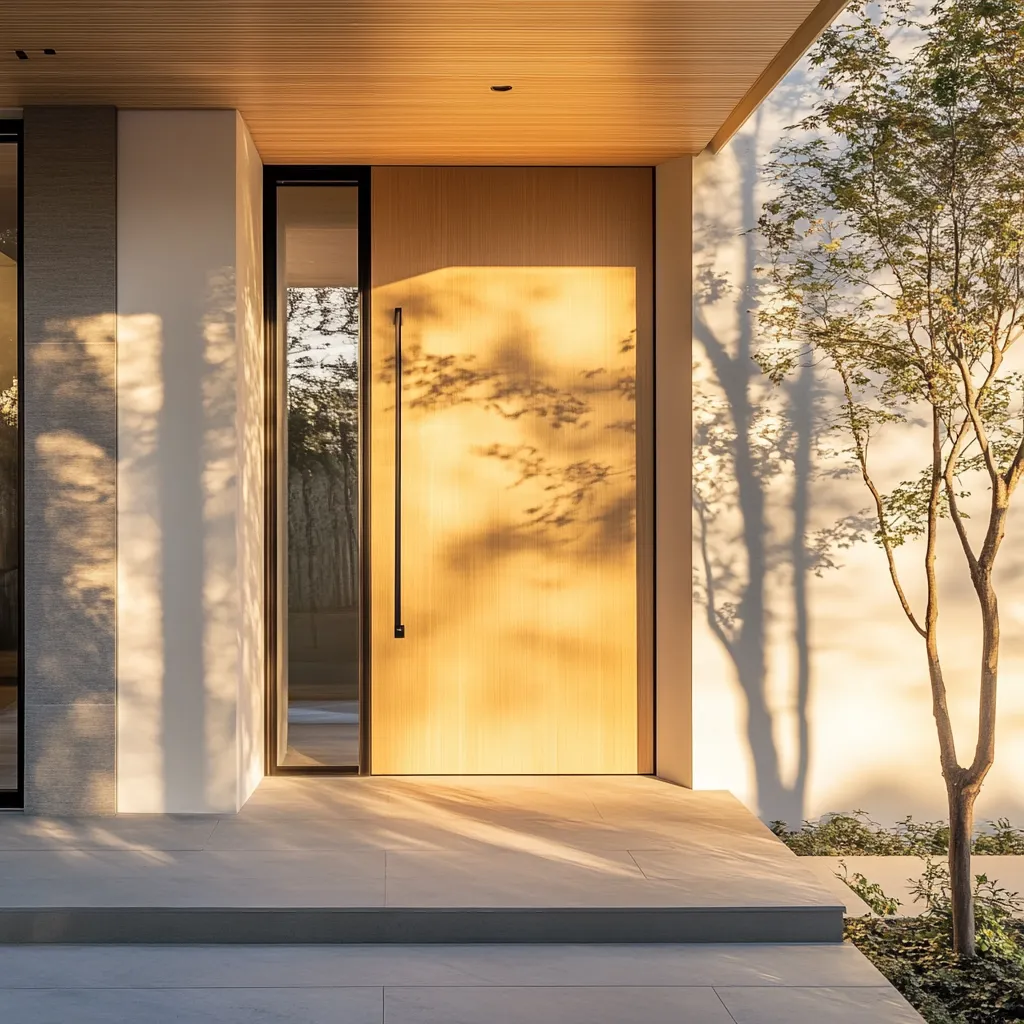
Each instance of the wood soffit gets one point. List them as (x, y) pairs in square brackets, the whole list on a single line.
[(407, 81)]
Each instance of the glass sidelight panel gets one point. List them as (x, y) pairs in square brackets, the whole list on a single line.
[(319, 476), (10, 473)]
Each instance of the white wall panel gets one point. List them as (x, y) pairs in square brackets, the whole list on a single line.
[(189, 711)]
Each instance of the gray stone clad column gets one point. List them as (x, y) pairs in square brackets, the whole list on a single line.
[(70, 430)]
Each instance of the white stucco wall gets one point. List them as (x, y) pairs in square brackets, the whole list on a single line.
[(250, 379), (189, 391), (871, 735)]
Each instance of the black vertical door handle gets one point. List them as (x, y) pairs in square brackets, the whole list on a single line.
[(399, 625)]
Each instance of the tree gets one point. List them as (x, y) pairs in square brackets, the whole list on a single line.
[(895, 266)]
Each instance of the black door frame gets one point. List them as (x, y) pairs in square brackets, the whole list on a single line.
[(274, 176)]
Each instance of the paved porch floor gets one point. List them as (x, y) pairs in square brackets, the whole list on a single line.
[(639, 851), (437, 851)]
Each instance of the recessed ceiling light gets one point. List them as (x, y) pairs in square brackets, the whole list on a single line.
[(501, 88)]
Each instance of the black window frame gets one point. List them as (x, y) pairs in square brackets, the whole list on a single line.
[(273, 177)]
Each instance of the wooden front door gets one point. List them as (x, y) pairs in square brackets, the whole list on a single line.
[(524, 512)]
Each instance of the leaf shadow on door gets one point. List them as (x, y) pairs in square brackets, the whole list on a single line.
[(565, 496)]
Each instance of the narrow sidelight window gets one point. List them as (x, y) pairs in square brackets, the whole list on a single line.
[(319, 480)]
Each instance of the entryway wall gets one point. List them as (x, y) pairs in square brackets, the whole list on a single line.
[(211, 714)]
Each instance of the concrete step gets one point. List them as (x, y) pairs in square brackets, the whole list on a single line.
[(418, 925)]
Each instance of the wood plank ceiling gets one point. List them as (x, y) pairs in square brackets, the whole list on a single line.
[(408, 81)]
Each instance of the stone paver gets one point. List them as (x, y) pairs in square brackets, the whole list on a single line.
[(658, 984), (565, 1005), (817, 1006)]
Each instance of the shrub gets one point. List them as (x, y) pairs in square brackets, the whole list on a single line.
[(994, 909), (853, 834), (870, 892), (1002, 838), (916, 954), (943, 987)]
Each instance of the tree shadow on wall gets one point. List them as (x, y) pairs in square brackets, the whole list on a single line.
[(753, 468)]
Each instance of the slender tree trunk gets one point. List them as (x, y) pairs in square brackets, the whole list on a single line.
[(964, 785), (961, 884)]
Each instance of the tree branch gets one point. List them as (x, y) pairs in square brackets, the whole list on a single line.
[(860, 447), (949, 479)]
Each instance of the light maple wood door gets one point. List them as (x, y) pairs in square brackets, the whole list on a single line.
[(526, 334)]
